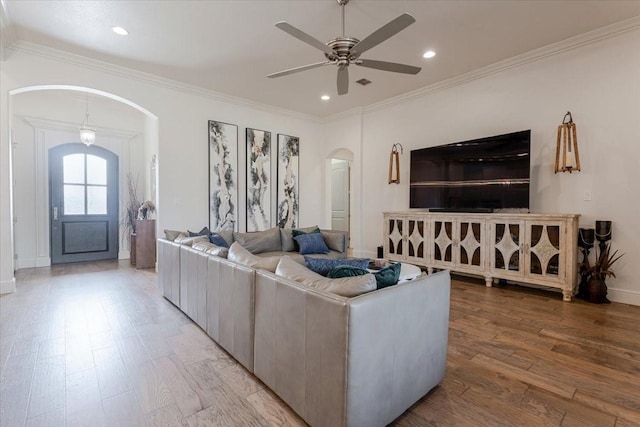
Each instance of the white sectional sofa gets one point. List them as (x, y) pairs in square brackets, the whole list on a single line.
[(337, 361)]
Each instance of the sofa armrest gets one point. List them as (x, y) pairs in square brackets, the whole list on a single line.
[(169, 270), (397, 348)]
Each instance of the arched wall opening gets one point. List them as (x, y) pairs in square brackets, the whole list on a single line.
[(33, 131)]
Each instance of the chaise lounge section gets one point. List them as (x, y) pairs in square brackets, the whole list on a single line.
[(358, 361)]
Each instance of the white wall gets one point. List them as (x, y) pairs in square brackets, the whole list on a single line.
[(599, 83), (182, 151)]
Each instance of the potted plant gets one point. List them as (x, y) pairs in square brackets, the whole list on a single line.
[(596, 289), (129, 217)]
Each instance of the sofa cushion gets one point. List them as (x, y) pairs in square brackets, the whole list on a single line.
[(219, 251), (260, 241), (286, 237), (347, 286), (171, 235), (202, 246), (188, 241), (322, 266), (204, 232), (211, 249), (239, 254), (335, 240), (311, 243), (218, 240)]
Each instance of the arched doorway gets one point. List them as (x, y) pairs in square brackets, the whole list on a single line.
[(43, 117), (339, 185)]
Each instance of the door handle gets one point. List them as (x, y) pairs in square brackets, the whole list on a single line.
[(55, 213)]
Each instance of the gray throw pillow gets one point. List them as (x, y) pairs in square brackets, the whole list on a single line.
[(260, 241), (226, 235), (172, 235), (242, 256), (335, 240)]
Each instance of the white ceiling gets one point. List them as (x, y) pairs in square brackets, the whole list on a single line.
[(230, 46)]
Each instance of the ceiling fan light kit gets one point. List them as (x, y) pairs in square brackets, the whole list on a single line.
[(344, 51)]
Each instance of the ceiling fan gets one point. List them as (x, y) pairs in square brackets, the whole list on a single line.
[(344, 51)]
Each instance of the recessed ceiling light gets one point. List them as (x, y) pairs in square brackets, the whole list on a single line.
[(429, 54), (325, 97), (120, 31)]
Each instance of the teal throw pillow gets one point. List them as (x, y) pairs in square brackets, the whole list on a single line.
[(311, 243), (346, 271), (324, 265), (388, 276)]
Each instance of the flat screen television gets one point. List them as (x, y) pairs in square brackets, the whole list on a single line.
[(481, 175)]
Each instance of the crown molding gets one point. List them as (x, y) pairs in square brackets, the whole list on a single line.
[(553, 49), (8, 34), (356, 111), (118, 70), (40, 123)]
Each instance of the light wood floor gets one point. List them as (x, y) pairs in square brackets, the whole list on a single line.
[(95, 344)]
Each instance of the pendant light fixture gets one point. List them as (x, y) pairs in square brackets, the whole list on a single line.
[(567, 157), (87, 134)]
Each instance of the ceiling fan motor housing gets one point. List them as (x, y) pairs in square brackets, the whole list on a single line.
[(342, 46)]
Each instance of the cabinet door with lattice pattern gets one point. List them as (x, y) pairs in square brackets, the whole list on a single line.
[(394, 237), (442, 241), (506, 252), (416, 247), (470, 241), (544, 256)]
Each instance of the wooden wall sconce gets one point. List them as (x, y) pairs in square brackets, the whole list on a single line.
[(567, 157), (394, 164)]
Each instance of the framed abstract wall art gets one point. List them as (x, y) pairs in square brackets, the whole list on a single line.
[(223, 176), (288, 156), (258, 180)]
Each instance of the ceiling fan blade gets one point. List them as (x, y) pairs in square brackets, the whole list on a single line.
[(388, 66), (302, 36), (386, 31), (343, 80), (298, 69)]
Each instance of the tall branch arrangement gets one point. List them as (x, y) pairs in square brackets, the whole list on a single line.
[(130, 215)]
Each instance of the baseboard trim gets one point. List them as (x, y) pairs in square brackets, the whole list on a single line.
[(623, 296), (124, 255), (33, 262), (8, 287), (364, 254)]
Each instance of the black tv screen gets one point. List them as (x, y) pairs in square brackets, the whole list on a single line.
[(479, 175)]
